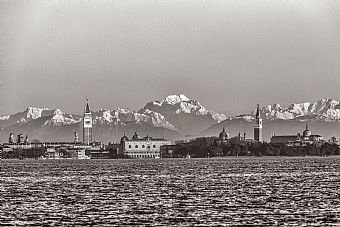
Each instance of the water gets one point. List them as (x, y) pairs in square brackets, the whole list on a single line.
[(253, 191)]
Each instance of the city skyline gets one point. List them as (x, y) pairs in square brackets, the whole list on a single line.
[(226, 54), (169, 112)]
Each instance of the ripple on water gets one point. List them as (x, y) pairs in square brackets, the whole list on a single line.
[(266, 191)]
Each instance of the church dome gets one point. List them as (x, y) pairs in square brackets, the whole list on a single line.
[(307, 132), (136, 136), (224, 135)]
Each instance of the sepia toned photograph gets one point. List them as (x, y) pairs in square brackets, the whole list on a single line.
[(170, 113)]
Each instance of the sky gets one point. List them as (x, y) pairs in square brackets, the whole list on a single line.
[(228, 54)]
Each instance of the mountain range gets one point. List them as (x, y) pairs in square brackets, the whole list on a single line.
[(175, 117), (322, 118)]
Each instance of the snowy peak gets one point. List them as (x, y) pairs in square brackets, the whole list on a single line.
[(123, 116), (103, 116), (34, 112), (174, 99), (188, 116), (58, 112), (59, 118), (321, 109), (181, 104)]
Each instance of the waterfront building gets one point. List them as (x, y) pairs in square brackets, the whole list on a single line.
[(76, 153), (4, 150), (307, 138), (87, 125), (65, 153), (30, 145), (52, 153), (98, 153), (146, 147), (258, 125)]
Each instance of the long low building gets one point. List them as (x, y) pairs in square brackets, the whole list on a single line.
[(146, 147), (26, 146), (307, 138)]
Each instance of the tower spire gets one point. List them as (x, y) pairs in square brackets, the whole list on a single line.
[(87, 109), (258, 111)]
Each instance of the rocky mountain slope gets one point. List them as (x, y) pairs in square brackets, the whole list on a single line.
[(187, 115)]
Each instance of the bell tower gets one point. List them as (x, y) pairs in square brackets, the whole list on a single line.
[(87, 124), (258, 125)]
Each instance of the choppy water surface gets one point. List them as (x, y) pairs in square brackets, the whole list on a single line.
[(259, 191)]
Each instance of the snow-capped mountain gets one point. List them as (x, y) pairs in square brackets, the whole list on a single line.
[(59, 118), (175, 117), (327, 109), (126, 116), (322, 116), (29, 114), (171, 118), (185, 114)]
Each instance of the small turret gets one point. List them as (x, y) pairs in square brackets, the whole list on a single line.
[(123, 139), (76, 137), (11, 138), (135, 136)]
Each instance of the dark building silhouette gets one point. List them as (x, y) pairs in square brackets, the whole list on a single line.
[(76, 137), (11, 138), (20, 139), (258, 125)]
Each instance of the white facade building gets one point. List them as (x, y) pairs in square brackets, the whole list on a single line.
[(78, 153), (52, 153), (146, 147)]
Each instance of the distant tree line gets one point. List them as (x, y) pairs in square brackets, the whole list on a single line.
[(199, 150)]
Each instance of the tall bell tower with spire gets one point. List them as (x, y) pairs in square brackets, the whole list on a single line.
[(258, 125), (87, 124)]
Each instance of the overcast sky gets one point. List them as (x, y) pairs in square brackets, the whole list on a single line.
[(229, 55)]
